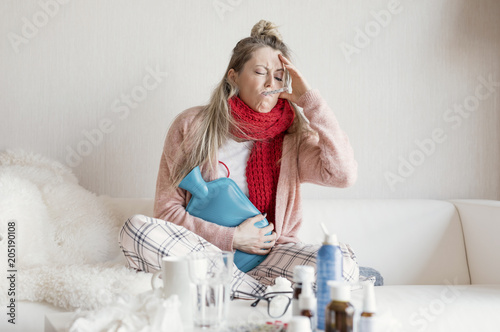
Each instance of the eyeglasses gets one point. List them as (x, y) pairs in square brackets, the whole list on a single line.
[(277, 302)]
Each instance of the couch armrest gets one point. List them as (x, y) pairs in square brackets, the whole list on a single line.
[(481, 227)]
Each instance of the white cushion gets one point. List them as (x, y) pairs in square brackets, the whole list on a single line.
[(417, 242)]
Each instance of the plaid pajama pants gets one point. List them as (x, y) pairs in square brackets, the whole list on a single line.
[(145, 240)]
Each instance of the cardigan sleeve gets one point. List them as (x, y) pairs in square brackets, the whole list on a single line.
[(326, 158), (170, 204)]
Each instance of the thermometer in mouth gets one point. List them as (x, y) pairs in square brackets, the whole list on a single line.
[(276, 91)]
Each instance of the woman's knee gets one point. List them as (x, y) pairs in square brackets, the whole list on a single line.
[(129, 229), (136, 221)]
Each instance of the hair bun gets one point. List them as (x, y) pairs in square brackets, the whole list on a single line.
[(265, 28)]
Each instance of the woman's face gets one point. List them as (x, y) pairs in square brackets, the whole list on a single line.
[(263, 72)]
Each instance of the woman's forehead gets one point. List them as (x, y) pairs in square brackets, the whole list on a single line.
[(267, 58)]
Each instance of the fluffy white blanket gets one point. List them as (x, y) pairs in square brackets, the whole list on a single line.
[(67, 250)]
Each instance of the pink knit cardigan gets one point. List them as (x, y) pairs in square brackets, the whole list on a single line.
[(326, 159)]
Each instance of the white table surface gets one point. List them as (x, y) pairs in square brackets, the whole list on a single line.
[(399, 308), (239, 312)]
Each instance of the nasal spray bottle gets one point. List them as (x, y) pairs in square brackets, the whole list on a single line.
[(329, 268), (307, 302), (368, 319), (301, 273)]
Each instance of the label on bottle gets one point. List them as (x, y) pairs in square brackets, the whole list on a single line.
[(366, 324)]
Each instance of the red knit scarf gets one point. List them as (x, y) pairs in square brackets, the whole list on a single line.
[(263, 166)]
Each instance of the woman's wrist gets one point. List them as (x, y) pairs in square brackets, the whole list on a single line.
[(301, 93), (235, 236), (308, 97)]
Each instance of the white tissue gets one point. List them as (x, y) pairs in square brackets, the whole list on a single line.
[(145, 312), (280, 285), (279, 303)]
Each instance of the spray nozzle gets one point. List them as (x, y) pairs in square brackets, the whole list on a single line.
[(329, 238)]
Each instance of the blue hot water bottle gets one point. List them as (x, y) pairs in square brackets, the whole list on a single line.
[(222, 202)]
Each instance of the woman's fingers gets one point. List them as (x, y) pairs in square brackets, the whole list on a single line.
[(284, 59), (268, 228), (251, 239), (299, 84)]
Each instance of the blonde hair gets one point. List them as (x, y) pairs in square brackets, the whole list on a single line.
[(215, 121)]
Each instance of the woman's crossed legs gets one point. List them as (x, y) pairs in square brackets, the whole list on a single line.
[(145, 240)]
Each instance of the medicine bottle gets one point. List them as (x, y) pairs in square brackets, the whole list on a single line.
[(307, 303), (300, 273), (368, 319), (339, 312), (328, 268)]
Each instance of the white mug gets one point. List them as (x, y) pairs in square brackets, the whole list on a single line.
[(175, 276)]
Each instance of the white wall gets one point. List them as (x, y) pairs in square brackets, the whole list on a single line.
[(72, 74)]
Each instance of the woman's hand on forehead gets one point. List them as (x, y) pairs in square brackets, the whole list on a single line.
[(299, 84)]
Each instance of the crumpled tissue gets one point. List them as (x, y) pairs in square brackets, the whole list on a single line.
[(145, 312), (280, 285), (279, 303)]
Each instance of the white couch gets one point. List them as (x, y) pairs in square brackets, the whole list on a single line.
[(439, 260)]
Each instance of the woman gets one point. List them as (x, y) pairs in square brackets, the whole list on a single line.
[(267, 146)]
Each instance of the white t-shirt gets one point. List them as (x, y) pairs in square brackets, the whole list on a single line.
[(235, 156)]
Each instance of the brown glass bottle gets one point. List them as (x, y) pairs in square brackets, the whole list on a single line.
[(339, 317), (339, 312)]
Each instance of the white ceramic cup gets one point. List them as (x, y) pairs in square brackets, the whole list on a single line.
[(175, 276)]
